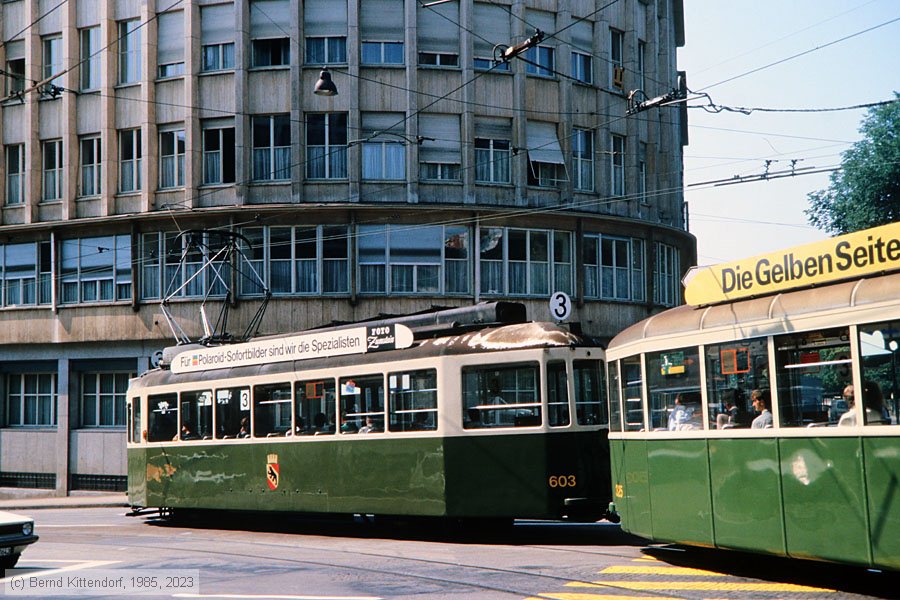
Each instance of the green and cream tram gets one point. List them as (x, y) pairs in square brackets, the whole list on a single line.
[(696, 461), (483, 421)]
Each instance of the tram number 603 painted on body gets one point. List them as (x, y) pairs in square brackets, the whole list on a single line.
[(561, 481)]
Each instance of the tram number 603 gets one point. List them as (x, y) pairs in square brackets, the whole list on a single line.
[(561, 481)]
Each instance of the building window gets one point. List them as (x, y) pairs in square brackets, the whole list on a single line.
[(31, 399), (218, 57), (130, 160), (382, 53), (489, 64), (170, 44), (129, 51), (384, 159), (617, 163), (326, 146), (218, 154), (546, 165), (613, 268), (406, 259), (439, 153), (616, 60), (581, 67), (52, 155), (272, 148), (298, 260), (171, 159), (52, 57), (25, 274), (642, 173), (438, 59), (15, 69), (90, 166), (103, 399), (518, 261), (540, 61), (271, 53), (492, 160), (15, 174), (90, 59), (217, 37), (641, 64), (583, 157), (326, 50), (172, 265), (667, 284), (95, 269)]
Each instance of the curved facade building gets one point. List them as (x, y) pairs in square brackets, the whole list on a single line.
[(135, 132)]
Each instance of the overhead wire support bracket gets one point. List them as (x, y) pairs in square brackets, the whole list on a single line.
[(507, 53)]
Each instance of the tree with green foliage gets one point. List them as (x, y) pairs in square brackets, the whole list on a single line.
[(865, 191)]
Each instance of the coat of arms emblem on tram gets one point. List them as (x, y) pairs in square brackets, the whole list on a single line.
[(272, 471)]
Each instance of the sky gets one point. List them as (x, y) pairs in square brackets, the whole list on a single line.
[(727, 39)]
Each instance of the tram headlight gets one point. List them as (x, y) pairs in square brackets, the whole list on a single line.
[(27, 528)]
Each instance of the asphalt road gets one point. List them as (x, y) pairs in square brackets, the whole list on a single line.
[(288, 558)]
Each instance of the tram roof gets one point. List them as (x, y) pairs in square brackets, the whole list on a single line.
[(507, 337), (781, 307)]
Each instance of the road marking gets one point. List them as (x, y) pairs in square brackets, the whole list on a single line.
[(276, 597), (701, 585), (576, 596), (79, 566), (42, 526), (637, 570)]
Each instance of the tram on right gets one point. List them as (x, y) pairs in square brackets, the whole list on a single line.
[(765, 418)]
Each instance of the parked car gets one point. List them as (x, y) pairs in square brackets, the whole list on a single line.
[(16, 532)]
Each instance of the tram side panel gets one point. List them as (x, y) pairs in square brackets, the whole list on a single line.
[(824, 487), (340, 476), (631, 485), (882, 470), (746, 497), (681, 509)]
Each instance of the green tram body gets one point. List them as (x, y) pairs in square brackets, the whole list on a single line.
[(810, 486), (529, 467)]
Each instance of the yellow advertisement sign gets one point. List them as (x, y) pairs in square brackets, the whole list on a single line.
[(844, 257)]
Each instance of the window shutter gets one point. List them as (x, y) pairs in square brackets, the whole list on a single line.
[(445, 146), (492, 24), (583, 37), (270, 19), (373, 123), (217, 23), (493, 128), (545, 21), (438, 28), (381, 20), (543, 145), (170, 38), (325, 18), (15, 50)]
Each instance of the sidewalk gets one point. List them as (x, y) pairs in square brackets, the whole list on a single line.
[(81, 500)]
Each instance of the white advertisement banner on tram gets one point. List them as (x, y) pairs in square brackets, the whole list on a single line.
[(356, 340)]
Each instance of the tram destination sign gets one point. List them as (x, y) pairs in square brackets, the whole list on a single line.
[(354, 340), (857, 254)]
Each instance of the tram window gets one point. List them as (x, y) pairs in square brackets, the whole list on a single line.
[(879, 344), (813, 370), (272, 410), (615, 410), (632, 393), (314, 407), (557, 394), (590, 392), (362, 404), (196, 415), (501, 396), (232, 413), (162, 417), (673, 382), (412, 400), (135, 429), (732, 371)]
